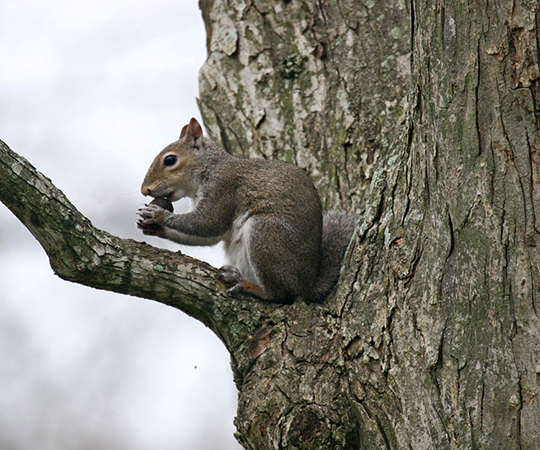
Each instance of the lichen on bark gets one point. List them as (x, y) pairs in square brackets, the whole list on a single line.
[(320, 84), (435, 318)]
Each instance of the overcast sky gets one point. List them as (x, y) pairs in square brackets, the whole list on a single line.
[(90, 91)]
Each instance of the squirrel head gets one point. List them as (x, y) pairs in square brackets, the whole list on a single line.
[(173, 174)]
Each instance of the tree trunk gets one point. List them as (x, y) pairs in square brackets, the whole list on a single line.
[(320, 84), (431, 340)]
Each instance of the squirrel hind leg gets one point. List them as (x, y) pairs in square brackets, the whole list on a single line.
[(285, 261), (234, 281)]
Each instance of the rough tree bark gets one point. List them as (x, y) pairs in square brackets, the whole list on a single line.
[(431, 340), (320, 84)]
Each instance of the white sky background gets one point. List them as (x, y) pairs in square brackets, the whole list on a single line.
[(90, 91)]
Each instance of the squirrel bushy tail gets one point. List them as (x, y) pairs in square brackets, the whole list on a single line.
[(338, 228)]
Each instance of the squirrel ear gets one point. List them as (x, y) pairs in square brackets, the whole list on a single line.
[(183, 132), (194, 131)]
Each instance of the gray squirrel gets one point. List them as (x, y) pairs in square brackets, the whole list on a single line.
[(267, 213)]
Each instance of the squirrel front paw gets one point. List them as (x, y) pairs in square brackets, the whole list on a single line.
[(152, 214), (152, 219), (152, 229), (232, 278)]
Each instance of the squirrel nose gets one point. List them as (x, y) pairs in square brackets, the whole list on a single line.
[(146, 190)]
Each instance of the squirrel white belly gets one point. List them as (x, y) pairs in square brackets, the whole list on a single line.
[(237, 247), (268, 214)]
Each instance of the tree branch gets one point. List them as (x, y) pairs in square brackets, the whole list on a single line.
[(83, 254)]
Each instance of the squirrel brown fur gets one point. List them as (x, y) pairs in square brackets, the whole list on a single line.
[(267, 213)]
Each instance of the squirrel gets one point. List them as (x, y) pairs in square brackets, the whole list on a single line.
[(267, 212)]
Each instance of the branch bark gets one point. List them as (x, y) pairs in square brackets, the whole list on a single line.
[(81, 253)]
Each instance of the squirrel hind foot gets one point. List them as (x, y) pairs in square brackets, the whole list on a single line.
[(234, 281), (232, 278)]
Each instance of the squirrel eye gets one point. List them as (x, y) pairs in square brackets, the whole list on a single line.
[(169, 160)]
